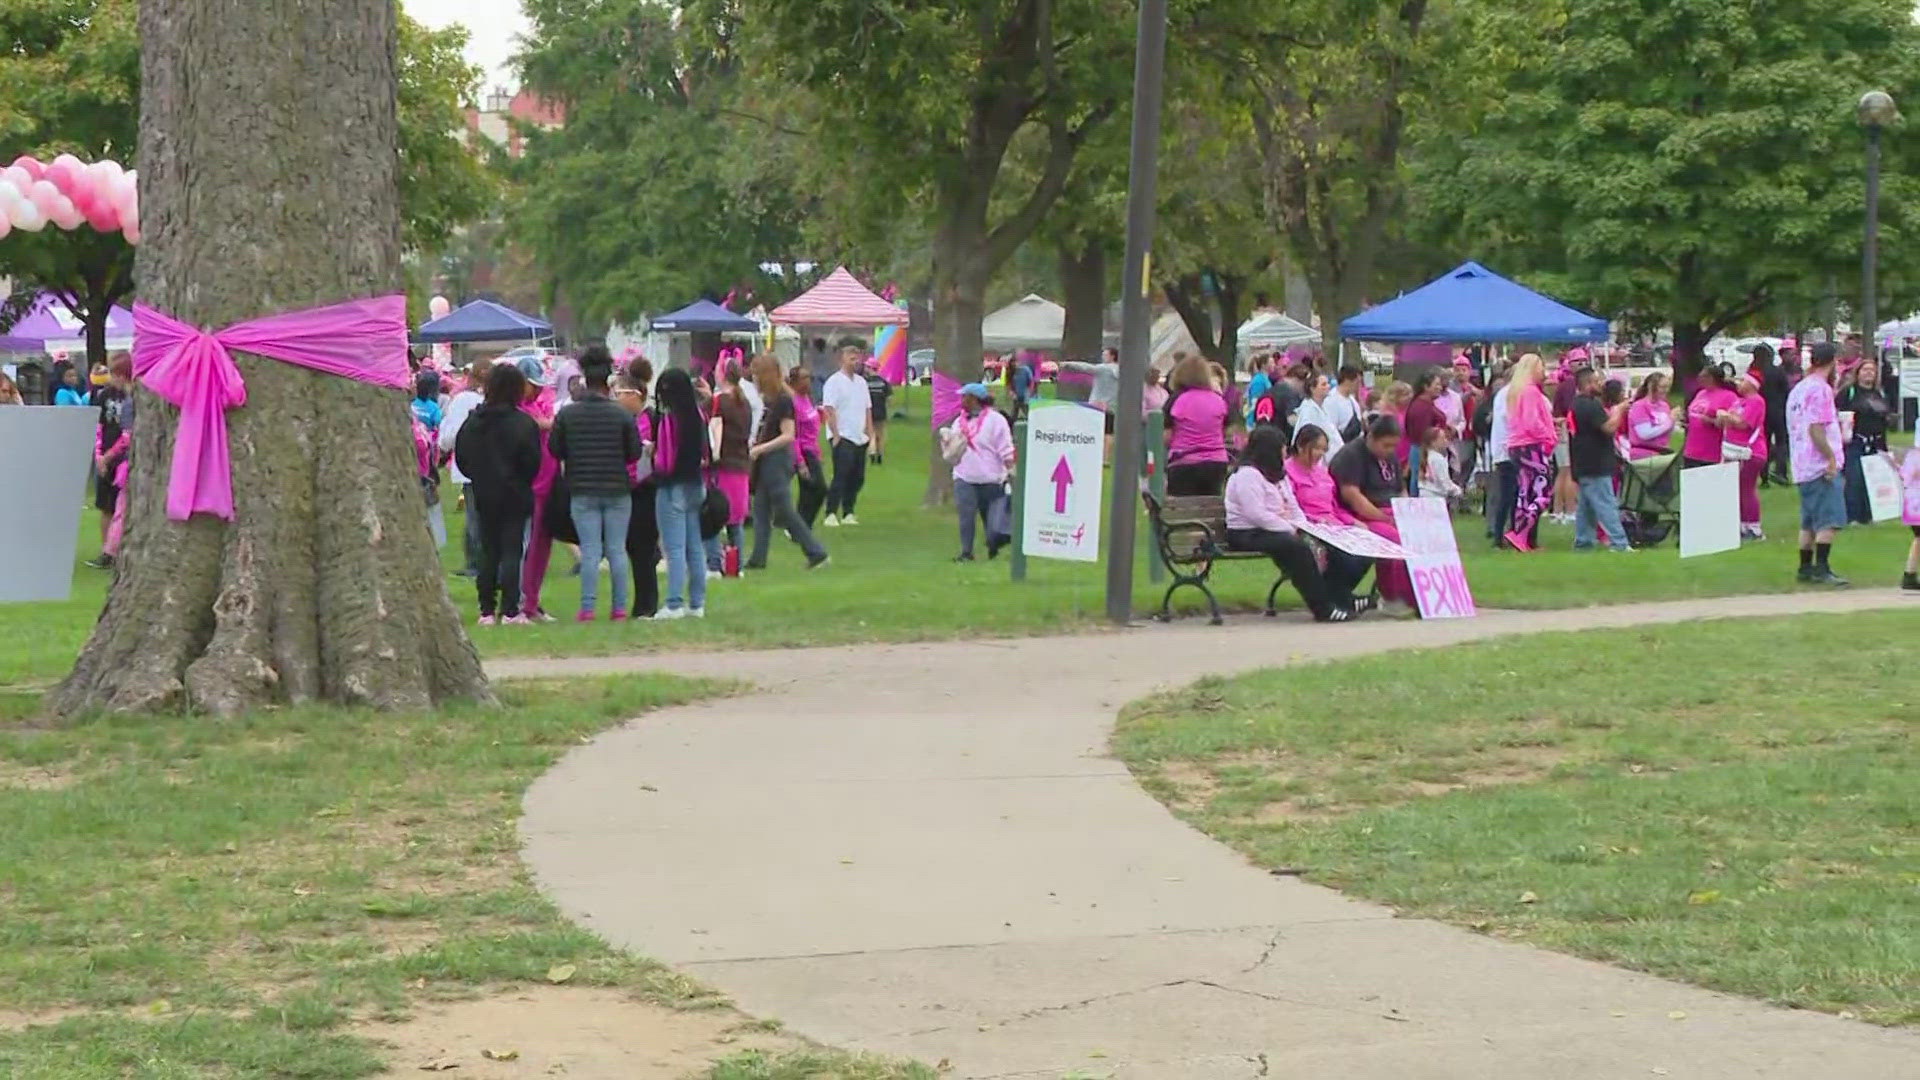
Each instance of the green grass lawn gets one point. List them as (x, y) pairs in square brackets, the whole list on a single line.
[(1728, 803), (892, 579), (222, 897)]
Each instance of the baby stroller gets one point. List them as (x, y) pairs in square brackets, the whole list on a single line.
[(1650, 498)]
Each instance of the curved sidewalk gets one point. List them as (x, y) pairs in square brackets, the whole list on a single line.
[(926, 851)]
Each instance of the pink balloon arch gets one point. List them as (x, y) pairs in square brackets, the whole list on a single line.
[(68, 193)]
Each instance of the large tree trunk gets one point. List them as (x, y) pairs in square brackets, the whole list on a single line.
[(959, 304), (1083, 289), (271, 184)]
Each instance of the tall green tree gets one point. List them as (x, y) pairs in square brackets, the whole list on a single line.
[(70, 83), (925, 99), (665, 183), (1686, 162)]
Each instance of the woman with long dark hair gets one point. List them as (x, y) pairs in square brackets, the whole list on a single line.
[(772, 456), (631, 389), (680, 456), (498, 451), (1714, 409), (730, 430), (806, 447), (1867, 400), (1263, 516)]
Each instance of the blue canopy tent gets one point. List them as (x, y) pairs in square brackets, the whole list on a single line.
[(703, 316), (1472, 303), (483, 320)]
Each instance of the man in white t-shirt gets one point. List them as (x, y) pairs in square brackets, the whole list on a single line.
[(846, 409), (458, 409), (1342, 405)]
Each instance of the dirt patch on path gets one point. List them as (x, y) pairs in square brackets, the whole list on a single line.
[(581, 1033)]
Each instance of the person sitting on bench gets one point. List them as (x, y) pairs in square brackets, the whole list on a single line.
[(1263, 516)]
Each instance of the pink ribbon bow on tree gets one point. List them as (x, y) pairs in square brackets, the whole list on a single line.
[(363, 340)]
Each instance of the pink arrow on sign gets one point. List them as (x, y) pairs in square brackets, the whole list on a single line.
[(1062, 480)]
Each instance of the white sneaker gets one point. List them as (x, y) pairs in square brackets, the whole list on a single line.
[(697, 613), (831, 522), (714, 575), (849, 520), (669, 614)]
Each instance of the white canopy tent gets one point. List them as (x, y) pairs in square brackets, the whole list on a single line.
[(1275, 330), (1031, 322)]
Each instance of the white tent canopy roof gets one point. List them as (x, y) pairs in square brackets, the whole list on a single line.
[(1275, 330), (1031, 322)]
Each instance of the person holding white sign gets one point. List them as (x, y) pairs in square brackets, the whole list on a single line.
[(1263, 516), (1910, 515)]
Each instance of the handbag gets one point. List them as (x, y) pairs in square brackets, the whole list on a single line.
[(715, 509), (1739, 452), (643, 467)]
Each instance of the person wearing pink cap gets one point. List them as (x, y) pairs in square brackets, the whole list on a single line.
[(1748, 435)]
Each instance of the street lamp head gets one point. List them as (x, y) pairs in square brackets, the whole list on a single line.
[(1877, 109)]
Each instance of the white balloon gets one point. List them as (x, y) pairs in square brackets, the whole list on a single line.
[(66, 215), (28, 216)]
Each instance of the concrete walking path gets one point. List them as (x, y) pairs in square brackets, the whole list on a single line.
[(926, 851)]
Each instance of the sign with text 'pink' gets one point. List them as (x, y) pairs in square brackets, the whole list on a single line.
[(1439, 579)]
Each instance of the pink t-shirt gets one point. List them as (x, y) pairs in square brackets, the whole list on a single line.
[(1199, 432), (1317, 494), (1649, 428), (541, 408), (1703, 437), (643, 422), (806, 428), (1530, 422), (1810, 406), (1910, 488), (1751, 431)]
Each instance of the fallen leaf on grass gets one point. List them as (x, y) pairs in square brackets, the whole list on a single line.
[(1529, 897), (943, 1066), (439, 1065), (1677, 1014), (1703, 897), (560, 973), (500, 1055)]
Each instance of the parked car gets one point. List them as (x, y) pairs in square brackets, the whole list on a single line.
[(920, 365)]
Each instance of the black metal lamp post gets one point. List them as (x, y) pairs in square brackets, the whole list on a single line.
[(1877, 112)]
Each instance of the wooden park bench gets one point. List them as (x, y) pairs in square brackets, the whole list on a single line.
[(1191, 531)]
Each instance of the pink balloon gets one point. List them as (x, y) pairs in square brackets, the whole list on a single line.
[(17, 176), (132, 233), (61, 173), (124, 194), (5, 226), (45, 197), (66, 215), (31, 165), (103, 218), (438, 306)]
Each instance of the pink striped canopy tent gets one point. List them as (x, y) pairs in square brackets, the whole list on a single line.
[(839, 300)]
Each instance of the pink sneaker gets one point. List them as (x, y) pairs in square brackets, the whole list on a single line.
[(1519, 541), (617, 616), (585, 616), (488, 620)]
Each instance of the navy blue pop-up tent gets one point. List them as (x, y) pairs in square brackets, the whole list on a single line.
[(1472, 303), (483, 320), (703, 316)]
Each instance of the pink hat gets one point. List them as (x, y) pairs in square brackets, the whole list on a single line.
[(1575, 355), (1461, 361)]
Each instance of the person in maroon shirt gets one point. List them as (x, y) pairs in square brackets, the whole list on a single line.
[(1422, 416)]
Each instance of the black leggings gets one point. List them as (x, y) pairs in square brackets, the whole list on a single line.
[(643, 551), (1200, 478), (813, 488), (503, 540), (1291, 554)]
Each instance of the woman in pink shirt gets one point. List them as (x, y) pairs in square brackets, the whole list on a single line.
[(1910, 516), (1196, 431), (806, 447), (1531, 438), (1313, 485), (1263, 516), (1750, 431), (1650, 419), (980, 445), (533, 572), (1714, 408)]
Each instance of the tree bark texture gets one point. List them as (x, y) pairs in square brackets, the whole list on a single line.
[(270, 182), (1083, 289)]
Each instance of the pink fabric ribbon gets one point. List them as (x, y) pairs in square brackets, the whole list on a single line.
[(363, 340), (946, 399)]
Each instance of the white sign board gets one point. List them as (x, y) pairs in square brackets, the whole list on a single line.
[(1910, 377), (48, 449), (1883, 486), (1439, 578), (1709, 509), (1062, 466)]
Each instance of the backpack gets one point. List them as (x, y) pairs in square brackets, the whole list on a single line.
[(1263, 409)]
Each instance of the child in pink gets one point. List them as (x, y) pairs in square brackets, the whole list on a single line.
[(1750, 431), (533, 571)]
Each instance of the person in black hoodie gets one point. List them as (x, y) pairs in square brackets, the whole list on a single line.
[(595, 440), (498, 451)]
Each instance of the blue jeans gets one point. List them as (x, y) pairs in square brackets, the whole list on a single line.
[(677, 506), (1416, 460), (602, 522), (1598, 505)]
